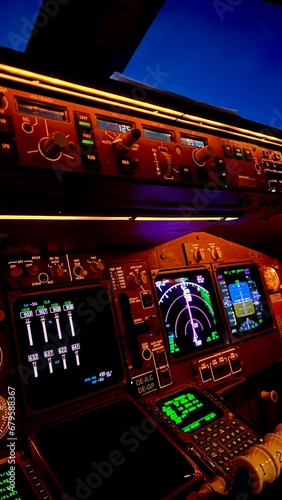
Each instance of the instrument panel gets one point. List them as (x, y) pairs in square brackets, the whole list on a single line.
[(126, 358), (86, 330)]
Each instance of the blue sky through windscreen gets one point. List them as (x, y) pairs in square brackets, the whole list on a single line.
[(225, 53), (16, 22)]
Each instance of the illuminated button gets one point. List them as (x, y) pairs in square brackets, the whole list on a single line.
[(91, 161), (160, 358), (83, 120), (86, 138), (6, 125), (238, 153), (206, 373), (8, 151), (146, 299), (220, 164), (125, 165), (227, 150), (265, 154), (247, 154)]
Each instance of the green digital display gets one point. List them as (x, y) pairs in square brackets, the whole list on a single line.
[(190, 409)]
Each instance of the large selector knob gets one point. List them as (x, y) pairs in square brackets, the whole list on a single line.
[(52, 146), (203, 154), (124, 141)]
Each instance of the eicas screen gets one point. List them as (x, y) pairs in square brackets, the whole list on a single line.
[(244, 299), (189, 310), (67, 344)]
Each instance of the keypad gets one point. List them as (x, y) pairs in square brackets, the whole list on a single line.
[(224, 440)]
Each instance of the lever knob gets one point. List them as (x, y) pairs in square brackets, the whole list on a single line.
[(271, 395), (125, 141), (202, 155), (52, 146)]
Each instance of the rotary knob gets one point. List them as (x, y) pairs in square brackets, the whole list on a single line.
[(79, 271), (202, 155), (216, 253), (32, 270), (97, 265), (199, 254), (57, 271), (15, 271), (51, 147)]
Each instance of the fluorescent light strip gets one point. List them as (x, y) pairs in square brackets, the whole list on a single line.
[(72, 89), (61, 217), (180, 219), (83, 91), (109, 218)]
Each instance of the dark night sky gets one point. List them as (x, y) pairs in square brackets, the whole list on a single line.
[(223, 52), (226, 53)]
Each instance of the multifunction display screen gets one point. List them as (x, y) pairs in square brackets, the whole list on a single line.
[(189, 309), (190, 409), (244, 299), (67, 344), (116, 449)]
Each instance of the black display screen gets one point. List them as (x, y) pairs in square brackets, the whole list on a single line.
[(190, 409), (116, 449), (190, 311), (67, 344), (244, 299)]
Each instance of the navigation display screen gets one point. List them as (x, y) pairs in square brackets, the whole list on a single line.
[(244, 299), (67, 344), (190, 311)]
